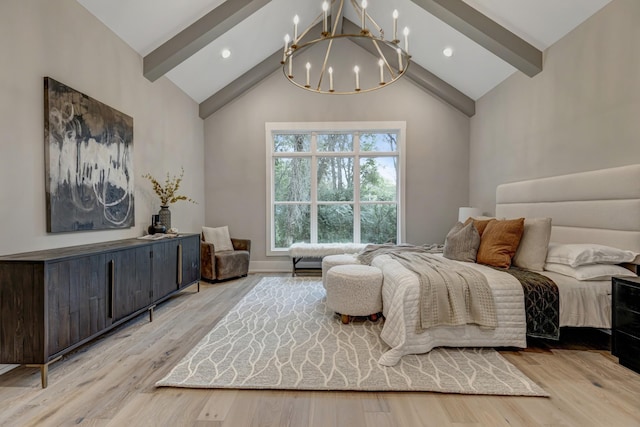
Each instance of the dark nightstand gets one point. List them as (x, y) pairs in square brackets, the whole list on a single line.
[(625, 311)]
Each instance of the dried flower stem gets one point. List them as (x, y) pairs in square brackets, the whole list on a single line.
[(168, 192)]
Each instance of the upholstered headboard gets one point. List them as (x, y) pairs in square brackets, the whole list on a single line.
[(601, 206)]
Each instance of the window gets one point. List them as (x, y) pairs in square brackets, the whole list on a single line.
[(334, 183)]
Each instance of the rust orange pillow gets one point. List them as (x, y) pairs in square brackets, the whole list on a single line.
[(480, 224), (499, 242)]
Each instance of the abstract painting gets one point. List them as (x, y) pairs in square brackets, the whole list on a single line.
[(88, 162)]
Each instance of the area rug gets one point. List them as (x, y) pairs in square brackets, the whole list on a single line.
[(281, 335)]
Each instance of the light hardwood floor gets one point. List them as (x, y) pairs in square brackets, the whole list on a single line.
[(110, 382)]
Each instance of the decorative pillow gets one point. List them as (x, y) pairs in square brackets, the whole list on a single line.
[(590, 271), (532, 251), (499, 242), (462, 243), (575, 254), (219, 237), (480, 224)]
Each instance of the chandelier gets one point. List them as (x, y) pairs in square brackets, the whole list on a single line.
[(320, 75)]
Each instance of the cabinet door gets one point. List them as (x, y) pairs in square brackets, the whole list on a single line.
[(165, 268), (22, 313), (130, 280), (190, 260), (78, 301)]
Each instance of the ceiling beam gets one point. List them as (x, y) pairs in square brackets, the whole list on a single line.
[(198, 35), (423, 78), (487, 33)]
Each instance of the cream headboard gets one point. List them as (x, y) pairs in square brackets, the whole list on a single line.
[(601, 206)]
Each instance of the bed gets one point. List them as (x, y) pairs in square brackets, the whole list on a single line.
[(596, 207)]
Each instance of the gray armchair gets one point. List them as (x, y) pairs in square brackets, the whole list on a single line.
[(222, 265)]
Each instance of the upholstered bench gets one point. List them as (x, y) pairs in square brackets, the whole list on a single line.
[(331, 261), (354, 290), (318, 251)]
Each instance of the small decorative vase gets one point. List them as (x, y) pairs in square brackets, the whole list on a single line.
[(155, 219), (159, 228), (165, 216)]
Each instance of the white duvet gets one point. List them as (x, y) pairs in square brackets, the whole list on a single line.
[(400, 296)]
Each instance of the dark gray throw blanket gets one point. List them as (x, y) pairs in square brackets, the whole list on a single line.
[(541, 303), (450, 292)]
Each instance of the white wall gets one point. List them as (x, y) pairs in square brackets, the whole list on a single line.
[(580, 113), (437, 153), (62, 40)]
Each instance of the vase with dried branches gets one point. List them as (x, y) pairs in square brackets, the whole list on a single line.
[(168, 194)]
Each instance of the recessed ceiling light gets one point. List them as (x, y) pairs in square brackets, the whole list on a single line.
[(225, 53), (448, 52)]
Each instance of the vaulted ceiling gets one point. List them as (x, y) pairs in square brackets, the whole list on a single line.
[(490, 40)]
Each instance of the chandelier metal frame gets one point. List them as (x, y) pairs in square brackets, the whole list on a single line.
[(395, 68)]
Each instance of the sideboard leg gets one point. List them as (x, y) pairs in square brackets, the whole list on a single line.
[(151, 313), (44, 375), (44, 370)]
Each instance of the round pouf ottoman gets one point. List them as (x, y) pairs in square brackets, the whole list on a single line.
[(331, 261), (354, 290)]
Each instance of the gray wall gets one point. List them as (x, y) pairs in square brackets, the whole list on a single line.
[(63, 40), (580, 113), (437, 153)]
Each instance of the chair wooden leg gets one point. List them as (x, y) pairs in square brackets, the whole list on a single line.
[(345, 318)]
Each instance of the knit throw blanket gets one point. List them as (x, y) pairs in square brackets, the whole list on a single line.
[(371, 251), (450, 293)]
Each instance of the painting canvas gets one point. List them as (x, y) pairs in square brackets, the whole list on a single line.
[(88, 162)]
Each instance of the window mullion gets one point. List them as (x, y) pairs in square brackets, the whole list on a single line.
[(314, 188), (356, 187)]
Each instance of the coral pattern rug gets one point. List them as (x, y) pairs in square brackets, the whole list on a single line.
[(281, 335)]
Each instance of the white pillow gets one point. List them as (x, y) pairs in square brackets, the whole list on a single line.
[(219, 237), (575, 254), (590, 271), (532, 250)]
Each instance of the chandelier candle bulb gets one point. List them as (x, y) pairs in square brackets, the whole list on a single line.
[(406, 39), (330, 79), (296, 20), (325, 9), (286, 46), (356, 70), (364, 14), (308, 66), (395, 26)]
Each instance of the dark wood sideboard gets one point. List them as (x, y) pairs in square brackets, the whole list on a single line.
[(53, 301)]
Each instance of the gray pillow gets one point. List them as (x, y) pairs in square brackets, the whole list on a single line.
[(462, 243)]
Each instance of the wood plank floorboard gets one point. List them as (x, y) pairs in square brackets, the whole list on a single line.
[(111, 382)]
